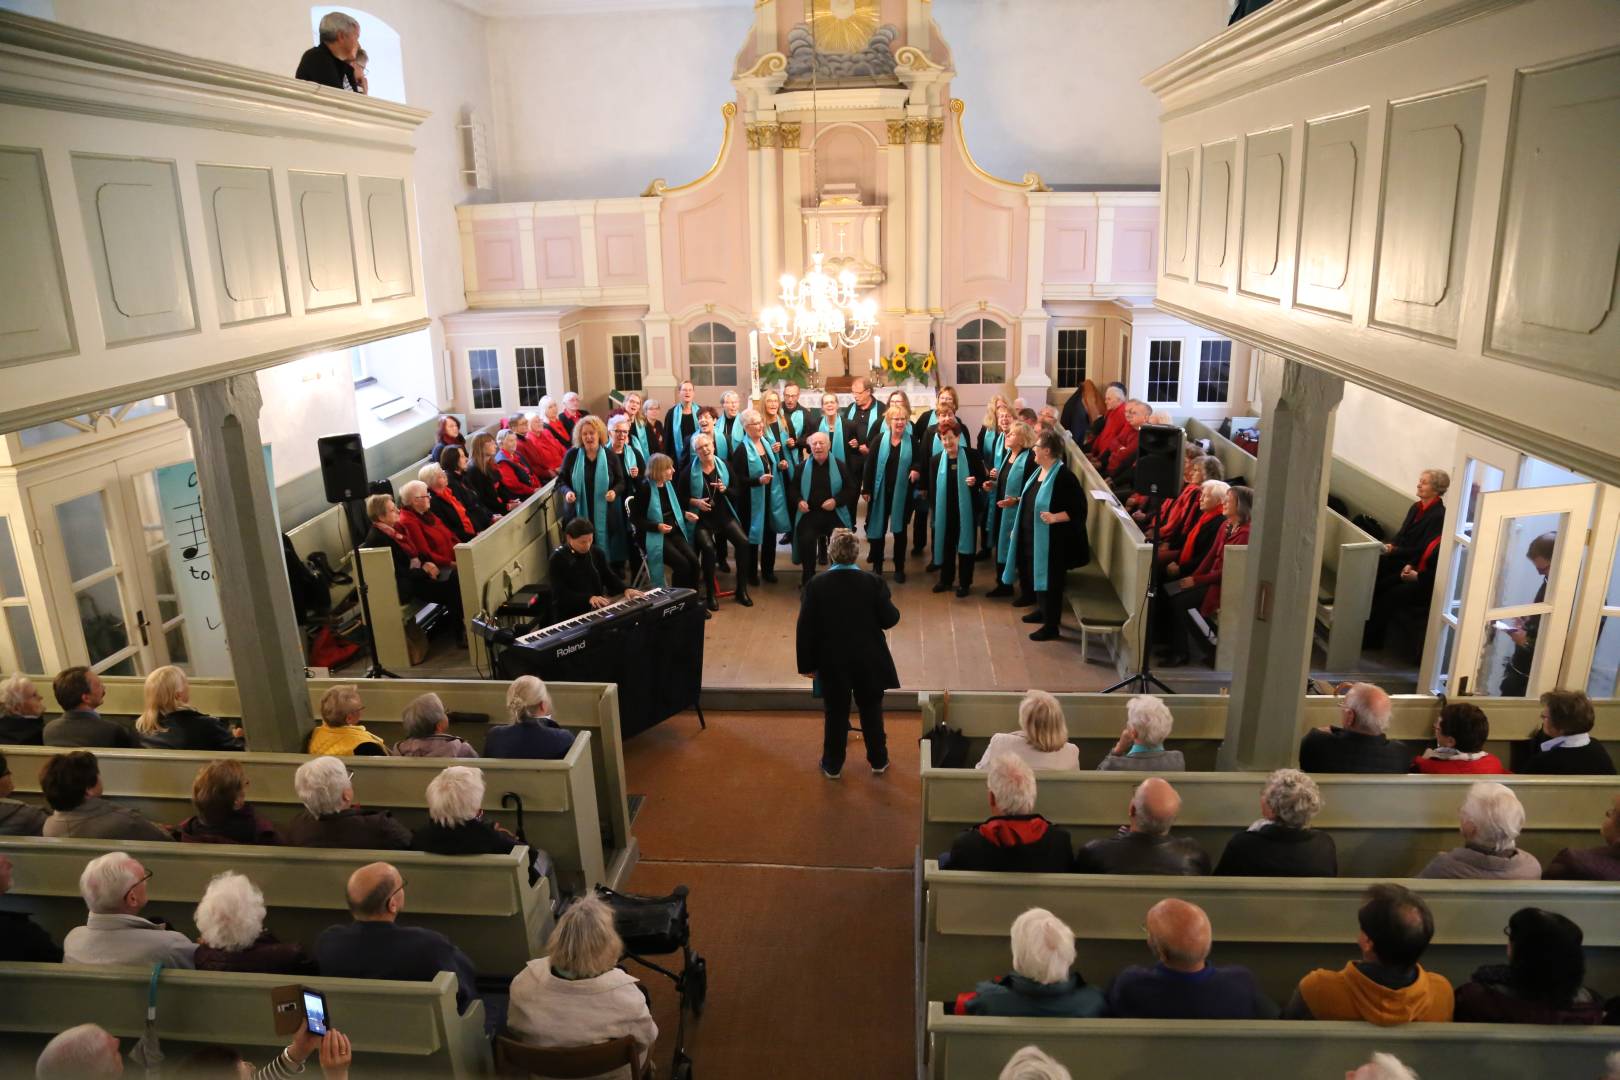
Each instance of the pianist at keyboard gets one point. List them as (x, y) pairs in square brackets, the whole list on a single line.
[(581, 578)]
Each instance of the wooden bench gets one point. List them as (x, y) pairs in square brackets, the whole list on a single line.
[(484, 903), (1383, 826), (976, 1047), (1106, 596), (559, 797), (396, 1028), (1279, 928)]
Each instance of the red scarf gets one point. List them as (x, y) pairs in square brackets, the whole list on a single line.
[(1193, 534), (461, 511), (1428, 553)]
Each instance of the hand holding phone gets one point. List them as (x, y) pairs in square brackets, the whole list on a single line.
[(314, 1011)]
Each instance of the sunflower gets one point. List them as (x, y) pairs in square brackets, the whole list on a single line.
[(783, 362), (928, 363), (902, 349), (899, 367), (884, 360)]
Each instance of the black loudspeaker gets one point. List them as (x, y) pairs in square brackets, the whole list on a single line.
[(343, 467), (1158, 460)]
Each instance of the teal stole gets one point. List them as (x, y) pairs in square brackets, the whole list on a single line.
[(1043, 531), (728, 434), (632, 458), (886, 513), (836, 434), (759, 494), (595, 508), (655, 538), (835, 482), (1004, 522), (638, 438), (872, 418), (779, 431), (964, 507), (683, 442), (699, 485), (796, 426)]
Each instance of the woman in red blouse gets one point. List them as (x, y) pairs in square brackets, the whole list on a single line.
[(429, 537), (517, 481), (1201, 589), (1459, 743)]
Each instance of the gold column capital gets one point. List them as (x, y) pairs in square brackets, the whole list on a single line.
[(897, 132)]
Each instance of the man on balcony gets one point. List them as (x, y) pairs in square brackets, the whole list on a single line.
[(330, 62)]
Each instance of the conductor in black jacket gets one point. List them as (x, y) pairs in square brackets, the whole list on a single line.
[(842, 616), (581, 578)]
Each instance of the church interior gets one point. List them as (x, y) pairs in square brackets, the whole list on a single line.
[(1228, 386)]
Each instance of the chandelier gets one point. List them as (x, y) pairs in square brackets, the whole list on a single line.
[(818, 310)]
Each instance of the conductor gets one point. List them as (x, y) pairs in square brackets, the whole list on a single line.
[(842, 616)]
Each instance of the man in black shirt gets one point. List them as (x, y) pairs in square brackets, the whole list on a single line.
[(862, 418), (1360, 745), (328, 63), (820, 498), (20, 937), (581, 578)]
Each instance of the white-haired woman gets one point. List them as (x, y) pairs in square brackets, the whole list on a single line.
[(428, 536), (427, 731), (577, 995), (1033, 1063), (168, 722), (1141, 745), (23, 708), (531, 733), (1282, 843), (416, 574), (1041, 982), (1491, 819), (1199, 537), (1042, 738), (728, 426), (759, 495), (330, 819), (445, 505), (231, 934), (549, 436), (705, 485), (456, 824), (632, 460)]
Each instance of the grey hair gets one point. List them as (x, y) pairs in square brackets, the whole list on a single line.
[(1149, 719), (12, 693), (1439, 478), (617, 421), (106, 879), (749, 415), (1214, 468), (526, 692), (1012, 783), (730, 394), (334, 24), (423, 716), (455, 796), (85, 1052), (1042, 946), (545, 400), (411, 489), (1496, 815), (1390, 1067), (1150, 825), (818, 436), (230, 915), (320, 784), (1293, 797), (585, 943), (842, 547), (571, 394), (1033, 1063), (1371, 706), (429, 473), (1217, 488)]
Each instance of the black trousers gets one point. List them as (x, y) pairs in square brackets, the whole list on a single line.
[(682, 561), (919, 525), (767, 551), (876, 549), (956, 567), (1048, 601), (835, 695), (811, 533), (1176, 618), (711, 530), (417, 585)]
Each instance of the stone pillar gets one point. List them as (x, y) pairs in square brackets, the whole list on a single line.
[(1269, 672), (249, 568), (1029, 374)]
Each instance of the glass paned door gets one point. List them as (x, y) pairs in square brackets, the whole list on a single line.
[(1519, 590), (86, 560), (171, 618)]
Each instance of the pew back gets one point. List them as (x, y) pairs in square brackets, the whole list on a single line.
[(512, 553), (1120, 550)]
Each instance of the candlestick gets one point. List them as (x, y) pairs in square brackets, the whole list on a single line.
[(753, 349)]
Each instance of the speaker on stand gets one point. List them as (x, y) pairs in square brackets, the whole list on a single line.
[(1158, 477), (343, 473)]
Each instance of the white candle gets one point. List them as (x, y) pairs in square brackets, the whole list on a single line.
[(877, 351), (753, 349)]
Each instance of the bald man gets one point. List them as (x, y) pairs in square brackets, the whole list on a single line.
[(375, 946), (1183, 985), (1359, 744), (1144, 844)]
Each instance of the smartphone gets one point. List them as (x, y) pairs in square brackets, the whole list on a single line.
[(314, 1011)]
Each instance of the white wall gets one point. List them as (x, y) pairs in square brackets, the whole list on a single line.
[(304, 400), (1391, 440)]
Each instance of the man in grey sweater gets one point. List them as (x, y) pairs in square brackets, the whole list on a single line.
[(1491, 819), (114, 889)]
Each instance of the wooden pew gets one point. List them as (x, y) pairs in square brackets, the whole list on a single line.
[(1107, 595), (1279, 928), (1384, 826), (396, 1028), (483, 903), (559, 798), (976, 1047)]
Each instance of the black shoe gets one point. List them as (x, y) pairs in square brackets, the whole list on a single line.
[(753, 576), (962, 590), (711, 603), (879, 770), (1033, 617), (1024, 601), (1174, 660), (829, 774), (940, 586), (931, 568), (707, 614), (1000, 591), (900, 575), (1045, 633), (822, 559), (918, 550), (723, 566), (770, 577), (982, 555)]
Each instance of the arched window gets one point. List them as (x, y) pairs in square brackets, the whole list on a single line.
[(385, 64), (981, 352), (711, 354)]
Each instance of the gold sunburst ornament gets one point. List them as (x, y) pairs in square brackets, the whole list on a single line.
[(843, 26)]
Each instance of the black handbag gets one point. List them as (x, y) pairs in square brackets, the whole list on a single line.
[(947, 746), (649, 925)]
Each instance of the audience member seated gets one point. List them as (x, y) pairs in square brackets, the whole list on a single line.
[(1031, 1063), (335, 1055), (1195, 535), (1459, 743), (1282, 843), (1360, 746), (1491, 819), (1101, 437), (1379, 1066), (1183, 985), (331, 820), (428, 536), (468, 491), (23, 709), (532, 732), (231, 934), (16, 818), (427, 731), (219, 794), (449, 435), (550, 436), (1414, 541), (1144, 844), (375, 946), (1042, 738), (456, 824), (114, 889), (1041, 982), (1591, 864), (1562, 745), (576, 995), (443, 504), (168, 722), (484, 478), (71, 784), (21, 938), (572, 410), (86, 1052), (516, 481), (1141, 744), (1119, 466), (1542, 982), (340, 732), (1014, 837), (1387, 986), (80, 693), (417, 576), (1199, 587)]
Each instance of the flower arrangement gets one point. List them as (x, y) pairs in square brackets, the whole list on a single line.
[(787, 367), (905, 366)]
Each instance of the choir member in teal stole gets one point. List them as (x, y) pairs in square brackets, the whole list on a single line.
[(886, 486), (955, 474)]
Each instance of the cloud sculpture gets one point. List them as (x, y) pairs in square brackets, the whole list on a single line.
[(874, 61)]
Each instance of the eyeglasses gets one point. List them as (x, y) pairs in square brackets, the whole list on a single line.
[(397, 889), (143, 880)]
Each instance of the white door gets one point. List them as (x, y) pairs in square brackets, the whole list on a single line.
[(1519, 590), (1592, 659)]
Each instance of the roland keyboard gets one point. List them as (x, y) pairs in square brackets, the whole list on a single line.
[(570, 631)]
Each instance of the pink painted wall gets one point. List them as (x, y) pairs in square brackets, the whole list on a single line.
[(557, 252), (1136, 243), (986, 253), (621, 249), (845, 153), (705, 237), (1071, 245), (496, 254)]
